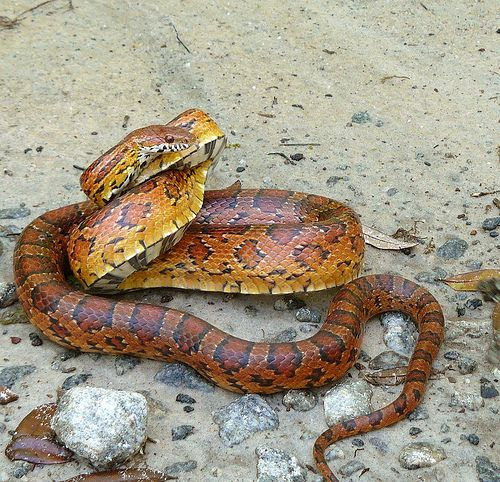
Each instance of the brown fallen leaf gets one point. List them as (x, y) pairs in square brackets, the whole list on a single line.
[(390, 376), (379, 240), (34, 440), (470, 281), (129, 475), (7, 396)]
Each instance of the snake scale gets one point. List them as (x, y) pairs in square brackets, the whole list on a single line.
[(150, 223)]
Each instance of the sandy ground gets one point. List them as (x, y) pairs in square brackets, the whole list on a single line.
[(423, 71)]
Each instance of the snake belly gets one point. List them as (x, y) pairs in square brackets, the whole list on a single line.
[(248, 241)]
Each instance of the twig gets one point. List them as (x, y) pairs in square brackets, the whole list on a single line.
[(78, 167), (484, 193), (279, 154), (303, 144), (383, 80), (11, 23), (178, 38)]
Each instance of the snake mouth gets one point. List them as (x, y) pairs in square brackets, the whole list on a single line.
[(183, 159)]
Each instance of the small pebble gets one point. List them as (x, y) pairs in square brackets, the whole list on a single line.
[(473, 304), (432, 277), (333, 453), (277, 465), (9, 231), (68, 354), (474, 265), (182, 431), (183, 398), (351, 467), (379, 444), (400, 333), (452, 355), (14, 213), (420, 454), (357, 442), (285, 336), (444, 428), (180, 375), (166, 298), (489, 224), (470, 401), (488, 390), (289, 303), (332, 180), (239, 419), (420, 413), (361, 117), (251, 311), (415, 431), (179, 467), (8, 294), (466, 365), (124, 364), (308, 315), (472, 438), (494, 234), (300, 400), (486, 470), (308, 327), (15, 340), (75, 380), (188, 409), (392, 191), (21, 469), (297, 157), (35, 339), (453, 249), (10, 375)]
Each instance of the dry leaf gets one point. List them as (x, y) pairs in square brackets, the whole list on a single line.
[(407, 235), (390, 376), (469, 281), (379, 240), (34, 440), (128, 475)]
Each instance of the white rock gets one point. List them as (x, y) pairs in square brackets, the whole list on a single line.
[(107, 427), (347, 400), (274, 465), (420, 454)]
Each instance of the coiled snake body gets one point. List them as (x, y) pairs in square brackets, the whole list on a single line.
[(247, 241)]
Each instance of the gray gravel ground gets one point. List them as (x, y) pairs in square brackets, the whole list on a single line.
[(401, 98)]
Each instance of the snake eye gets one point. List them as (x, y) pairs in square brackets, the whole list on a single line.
[(169, 139)]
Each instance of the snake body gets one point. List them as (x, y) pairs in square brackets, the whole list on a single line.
[(247, 241)]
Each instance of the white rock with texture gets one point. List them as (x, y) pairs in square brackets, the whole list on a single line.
[(347, 400), (107, 427)]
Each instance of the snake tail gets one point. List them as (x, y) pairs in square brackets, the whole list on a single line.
[(382, 293)]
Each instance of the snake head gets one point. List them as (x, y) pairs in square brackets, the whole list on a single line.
[(114, 171), (192, 138)]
